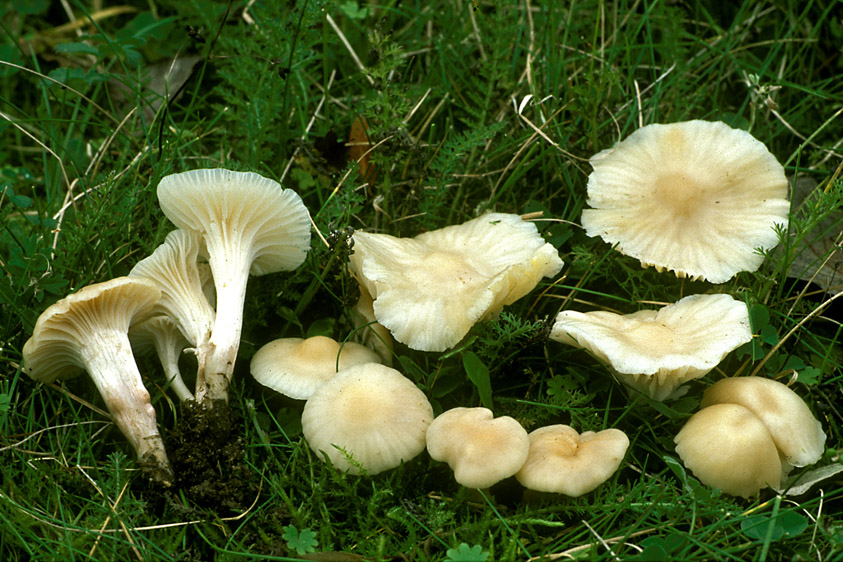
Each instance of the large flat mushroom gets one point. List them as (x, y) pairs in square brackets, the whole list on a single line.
[(249, 224), (696, 197), (656, 351), (88, 331), (430, 290)]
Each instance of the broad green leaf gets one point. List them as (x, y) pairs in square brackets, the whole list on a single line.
[(478, 373)]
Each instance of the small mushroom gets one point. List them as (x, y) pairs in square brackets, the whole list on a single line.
[(798, 435), (655, 351), (563, 461), (481, 449), (161, 335), (726, 446), (88, 331), (296, 367), (697, 198), (249, 224), (430, 290), (367, 418), (174, 268)]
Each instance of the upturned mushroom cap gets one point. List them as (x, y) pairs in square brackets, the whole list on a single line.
[(696, 198), (174, 268), (430, 290), (296, 367), (88, 331), (374, 414), (481, 449), (798, 435), (726, 446), (249, 224), (655, 351), (563, 461)]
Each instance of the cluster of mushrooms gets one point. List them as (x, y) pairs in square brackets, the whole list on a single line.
[(697, 198)]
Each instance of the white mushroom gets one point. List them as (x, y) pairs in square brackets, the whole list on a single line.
[(563, 461), (88, 331), (367, 416), (726, 446), (697, 198), (174, 268), (798, 435), (655, 351), (430, 290), (249, 224), (161, 335), (296, 367), (481, 449)]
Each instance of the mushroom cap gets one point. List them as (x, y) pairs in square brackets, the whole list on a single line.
[(563, 461), (655, 351), (54, 350), (373, 413), (481, 449), (696, 198), (240, 210), (726, 446), (430, 290), (296, 367), (174, 268), (797, 434)]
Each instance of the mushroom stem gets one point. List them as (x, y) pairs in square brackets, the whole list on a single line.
[(231, 278), (111, 365)]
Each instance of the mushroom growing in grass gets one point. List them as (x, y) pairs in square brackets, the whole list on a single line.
[(248, 224), (296, 367), (563, 461), (481, 450), (726, 446), (749, 434), (430, 290), (174, 268), (161, 335), (655, 351), (697, 198), (798, 435), (88, 331), (368, 418)]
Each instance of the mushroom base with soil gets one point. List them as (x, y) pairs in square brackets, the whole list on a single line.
[(208, 457)]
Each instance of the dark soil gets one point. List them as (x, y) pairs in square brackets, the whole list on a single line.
[(207, 453)]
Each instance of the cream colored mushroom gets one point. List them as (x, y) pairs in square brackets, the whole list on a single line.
[(697, 198), (249, 224), (726, 446), (175, 269), (430, 290), (481, 449), (296, 367), (562, 461), (798, 435), (88, 331), (367, 417), (655, 351)]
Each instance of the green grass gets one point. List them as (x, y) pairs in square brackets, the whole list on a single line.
[(274, 88)]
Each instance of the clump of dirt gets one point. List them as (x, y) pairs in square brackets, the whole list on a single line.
[(207, 454)]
